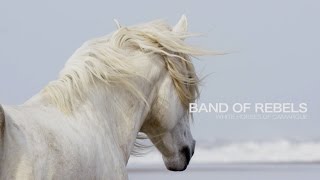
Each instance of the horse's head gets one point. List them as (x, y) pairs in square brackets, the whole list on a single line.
[(167, 124)]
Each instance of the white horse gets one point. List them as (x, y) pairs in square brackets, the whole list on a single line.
[(84, 124)]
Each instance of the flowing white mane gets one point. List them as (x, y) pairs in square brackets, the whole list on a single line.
[(107, 60)]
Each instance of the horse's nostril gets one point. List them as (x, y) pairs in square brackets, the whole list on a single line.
[(186, 152), (193, 146)]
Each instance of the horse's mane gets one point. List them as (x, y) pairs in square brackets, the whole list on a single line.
[(106, 59)]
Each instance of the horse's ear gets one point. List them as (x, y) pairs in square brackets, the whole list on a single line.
[(182, 25)]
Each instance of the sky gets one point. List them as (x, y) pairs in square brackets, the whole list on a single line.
[(273, 53)]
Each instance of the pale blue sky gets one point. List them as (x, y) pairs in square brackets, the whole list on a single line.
[(274, 44)]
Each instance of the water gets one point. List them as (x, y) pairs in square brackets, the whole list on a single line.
[(280, 159), (225, 151)]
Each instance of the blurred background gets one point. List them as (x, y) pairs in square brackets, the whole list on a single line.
[(273, 56)]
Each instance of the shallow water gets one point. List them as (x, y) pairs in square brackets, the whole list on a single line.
[(261, 171)]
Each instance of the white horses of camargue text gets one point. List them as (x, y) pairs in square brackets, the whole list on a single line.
[(84, 124)]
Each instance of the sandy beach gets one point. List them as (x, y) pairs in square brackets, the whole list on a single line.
[(254, 171)]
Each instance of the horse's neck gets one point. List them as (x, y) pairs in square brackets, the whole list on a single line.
[(124, 113), (117, 111)]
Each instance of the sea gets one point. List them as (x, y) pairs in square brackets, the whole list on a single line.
[(285, 159)]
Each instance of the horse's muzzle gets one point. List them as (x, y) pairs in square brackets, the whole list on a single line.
[(187, 153)]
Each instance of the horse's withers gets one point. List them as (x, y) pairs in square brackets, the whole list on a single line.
[(2, 125), (2, 120)]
